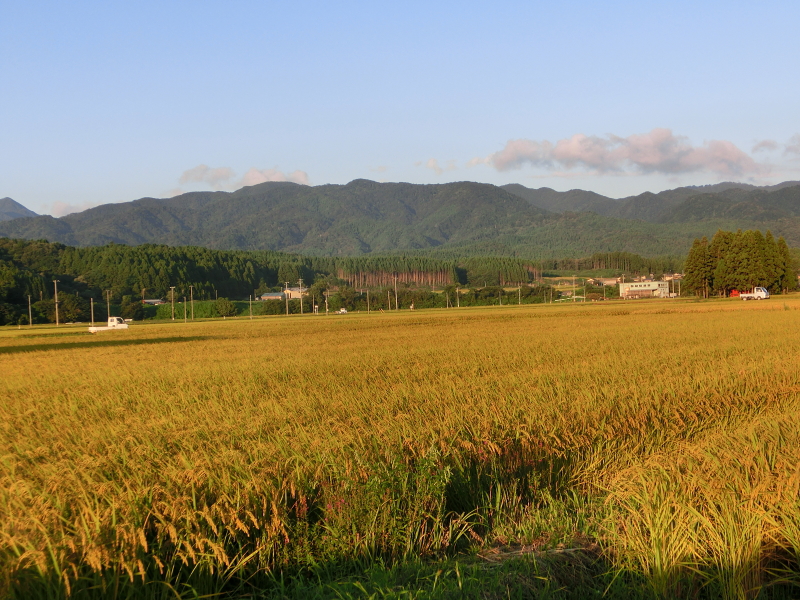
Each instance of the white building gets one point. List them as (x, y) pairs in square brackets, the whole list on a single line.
[(644, 289), (295, 292)]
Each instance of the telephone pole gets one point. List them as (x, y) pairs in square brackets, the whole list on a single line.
[(191, 299), (286, 293), (55, 298), (300, 281), (172, 293), (30, 315), (91, 304), (184, 309)]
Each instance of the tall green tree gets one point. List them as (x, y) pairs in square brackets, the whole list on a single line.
[(697, 269)]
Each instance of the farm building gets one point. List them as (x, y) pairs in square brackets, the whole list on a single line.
[(272, 296), (644, 289), (295, 292)]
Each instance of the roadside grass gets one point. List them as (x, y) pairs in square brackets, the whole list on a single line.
[(637, 449)]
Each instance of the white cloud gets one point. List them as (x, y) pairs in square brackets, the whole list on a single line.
[(222, 178), (659, 151), (255, 176), (379, 169), (215, 177)]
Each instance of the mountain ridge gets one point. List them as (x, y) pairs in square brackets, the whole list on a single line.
[(366, 217)]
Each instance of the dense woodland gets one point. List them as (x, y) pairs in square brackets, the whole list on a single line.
[(123, 275), (739, 261)]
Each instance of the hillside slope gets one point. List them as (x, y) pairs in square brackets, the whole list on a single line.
[(11, 209)]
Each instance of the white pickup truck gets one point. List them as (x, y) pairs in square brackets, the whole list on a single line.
[(758, 293), (113, 323)]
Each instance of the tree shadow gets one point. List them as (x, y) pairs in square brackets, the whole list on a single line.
[(97, 343)]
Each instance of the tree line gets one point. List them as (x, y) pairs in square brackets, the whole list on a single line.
[(626, 262), (122, 276), (739, 261)]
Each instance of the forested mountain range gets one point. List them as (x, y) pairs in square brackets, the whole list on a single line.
[(358, 218), (10, 209), (694, 203), (446, 221)]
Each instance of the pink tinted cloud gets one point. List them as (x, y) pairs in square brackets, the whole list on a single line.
[(765, 146), (61, 209), (793, 147), (659, 151), (255, 176), (434, 165)]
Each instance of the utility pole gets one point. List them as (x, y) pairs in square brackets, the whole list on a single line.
[(300, 281), (30, 314), (389, 299), (520, 294), (172, 291), (458, 300), (108, 302), (367, 301), (396, 307), (251, 308), (91, 304), (191, 299), (574, 289), (184, 309), (286, 293), (325, 293), (55, 298)]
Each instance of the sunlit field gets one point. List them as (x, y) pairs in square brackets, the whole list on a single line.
[(633, 449)]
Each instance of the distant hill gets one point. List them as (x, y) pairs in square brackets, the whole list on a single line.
[(357, 218), (447, 220), (739, 201), (10, 209), (572, 201), (757, 205)]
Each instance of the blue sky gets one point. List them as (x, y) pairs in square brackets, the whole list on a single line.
[(110, 101)]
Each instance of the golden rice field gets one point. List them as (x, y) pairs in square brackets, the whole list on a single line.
[(654, 445)]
